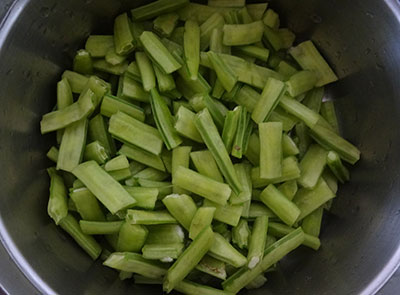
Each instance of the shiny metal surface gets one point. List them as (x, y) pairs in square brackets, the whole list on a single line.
[(360, 38)]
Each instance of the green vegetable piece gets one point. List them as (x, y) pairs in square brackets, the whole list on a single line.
[(230, 127), (201, 185), (83, 63), (271, 19), (163, 252), (259, 209), (273, 40), (239, 142), (72, 146), (76, 81), (64, 94), (301, 82), (229, 214), (337, 167), (243, 34), (312, 223), (309, 58), (289, 147), (131, 237), (96, 152), (191, 46), (287, 37), (151, 174), (269, 99), (149, 217), (289, 189), (123, 38), (213, 267), (270, 150), (133, 72), (97, 130), (114, 58), (313, 99), (165, 24), (216, 43), (312, 165), (132, 131), (212, 139), (189, 259), (133, 90), (117, 163), (164, 188), (100, 227), (226, 3), (272, 255), (290, 171), (256, 10), (52, 154), (145, 197), (184, 124), (328, 139), (280, 115), (286, 69), (165, 234), (98, 45), (112, 104), (241, 234), (156, 8), (164, 120), (201, 219), (215, 21), (159, 52), (297, 109), (57, 207), (257, 241), (280, 230), (329, 114), (125, 275), (309, 200), (87, 205), (224, 73), (73, 113), (187, 287), (165, 82), (222, 250), (102, 66), (107, 190), (286, 210), (135, 263), (253, 51), (206, 165), (180, 157), (88, 243), (253, 149), (182, 208), (243, 171), (121, 174), (146, 71)]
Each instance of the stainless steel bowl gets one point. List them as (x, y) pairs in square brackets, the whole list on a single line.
[(360, 38)]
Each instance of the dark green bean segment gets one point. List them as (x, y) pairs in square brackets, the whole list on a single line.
[(189, 259)]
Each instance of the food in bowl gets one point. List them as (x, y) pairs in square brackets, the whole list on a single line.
[(194, 146)]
